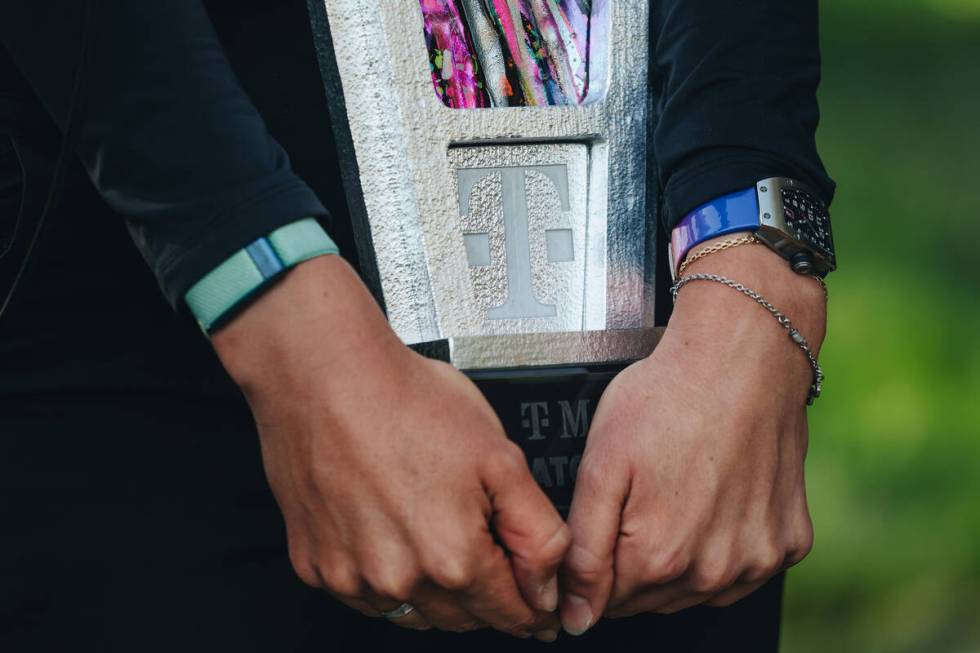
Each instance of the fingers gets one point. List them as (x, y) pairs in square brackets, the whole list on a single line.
[(651, 599), (679, 596), (736, 592), (415, 619), (529, 527), (494, 598), (709, 579), (370, 598), (594, 520), (432, 606), (649, 575), (749, 583), (353, 593), (442, 610), (464, 583)]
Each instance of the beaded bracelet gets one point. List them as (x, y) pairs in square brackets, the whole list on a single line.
[(784, 322)]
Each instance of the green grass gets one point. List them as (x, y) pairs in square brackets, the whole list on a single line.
[(894, 464)]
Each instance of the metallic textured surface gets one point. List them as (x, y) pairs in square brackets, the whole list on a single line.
[(545, 349), (553, 181), (409, 148)]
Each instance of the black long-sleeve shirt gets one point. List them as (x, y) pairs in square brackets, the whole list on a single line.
[(736, 82), (166, 134), (173, 144)]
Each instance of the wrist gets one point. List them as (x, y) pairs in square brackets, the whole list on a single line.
[(244, 275), (709, 307), (318, 321)]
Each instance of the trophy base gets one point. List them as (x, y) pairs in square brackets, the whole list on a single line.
[(547, 411)]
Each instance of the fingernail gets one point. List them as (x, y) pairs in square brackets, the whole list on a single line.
[(576, 614), (546, 635), (548, 595)]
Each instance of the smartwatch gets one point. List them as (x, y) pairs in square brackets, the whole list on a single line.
[(783, 213), (227, 288)]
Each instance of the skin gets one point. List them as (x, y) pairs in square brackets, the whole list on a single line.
[(691, 486), (390, 469), (690, 489)]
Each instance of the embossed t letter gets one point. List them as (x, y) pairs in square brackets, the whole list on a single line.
[(520, 301)]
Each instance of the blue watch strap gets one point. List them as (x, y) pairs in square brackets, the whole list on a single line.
[(249, 269), (738, 211)]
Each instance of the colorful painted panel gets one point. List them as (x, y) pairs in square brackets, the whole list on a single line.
[(505, 53)]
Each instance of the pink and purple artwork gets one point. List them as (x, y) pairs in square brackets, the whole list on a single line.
[(503, 53)]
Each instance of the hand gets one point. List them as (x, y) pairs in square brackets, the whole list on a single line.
[(389, 468), (691, 489)]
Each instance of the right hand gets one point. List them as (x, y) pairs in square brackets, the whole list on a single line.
[(390, 469)]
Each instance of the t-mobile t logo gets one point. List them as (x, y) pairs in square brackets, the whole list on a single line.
[(521, 301)]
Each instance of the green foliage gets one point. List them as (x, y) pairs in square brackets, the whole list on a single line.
[(894, 462)]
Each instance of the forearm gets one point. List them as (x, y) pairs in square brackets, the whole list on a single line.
[(164, 130)]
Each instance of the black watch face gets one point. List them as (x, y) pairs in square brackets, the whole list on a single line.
[(808, 219)]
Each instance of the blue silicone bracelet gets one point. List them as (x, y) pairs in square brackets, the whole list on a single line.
[(738, 211)]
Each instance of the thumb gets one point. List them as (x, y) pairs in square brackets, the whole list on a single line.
[(529, 526), (594, 519)]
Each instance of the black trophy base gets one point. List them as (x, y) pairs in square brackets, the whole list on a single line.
[(547, 411)]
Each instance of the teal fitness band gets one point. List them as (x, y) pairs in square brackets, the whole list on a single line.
[(215, 297)]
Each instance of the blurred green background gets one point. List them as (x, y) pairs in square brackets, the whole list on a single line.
[(894, 463)]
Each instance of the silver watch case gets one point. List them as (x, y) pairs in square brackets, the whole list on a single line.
[(795, 223)]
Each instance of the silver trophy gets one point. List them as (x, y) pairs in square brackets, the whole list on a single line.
[(514, 242)]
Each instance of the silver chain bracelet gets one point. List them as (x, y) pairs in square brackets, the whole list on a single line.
[(784, 322)]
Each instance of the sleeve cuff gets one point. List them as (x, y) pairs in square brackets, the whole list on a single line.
[(717, 172)]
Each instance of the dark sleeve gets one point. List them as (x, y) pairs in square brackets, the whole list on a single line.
[(166, 133), (736, 84)]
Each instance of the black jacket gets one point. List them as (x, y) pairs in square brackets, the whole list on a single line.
[(173, 144)]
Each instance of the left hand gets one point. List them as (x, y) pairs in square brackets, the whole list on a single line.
[(691, 486)]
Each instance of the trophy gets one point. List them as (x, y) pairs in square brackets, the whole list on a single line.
[(494, 157)]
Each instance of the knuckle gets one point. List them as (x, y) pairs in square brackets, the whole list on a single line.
[(453, 573), (392, 582), (709, 577), (512, 460), (301, 563), (666, 566), (584, 565), (505, 461), (763, 564), (800, 547), (552, 550), (306, 573), (555, 548), (341, 579), (590, 472)]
